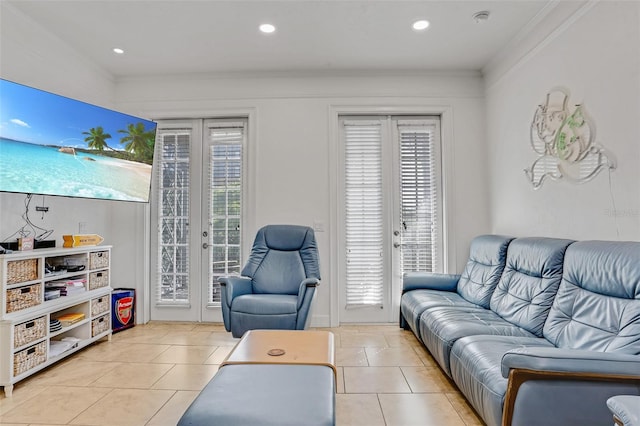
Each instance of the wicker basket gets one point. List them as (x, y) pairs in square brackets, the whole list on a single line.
[(100, 325), (29, 358), (23, 297), (29, 331), (99, 305), (98, 259), (20, 271), (98, 279)]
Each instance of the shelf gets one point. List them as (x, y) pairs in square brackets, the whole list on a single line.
[(22, 284), (55, 277), (12, 323), (68, 328)]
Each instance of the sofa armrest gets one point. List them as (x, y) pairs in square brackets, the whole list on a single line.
[(625, 409), (429, 281), (556, 360), (564, 365)]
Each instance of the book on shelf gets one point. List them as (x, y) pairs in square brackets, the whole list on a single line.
[(67, 287), (70, 318)]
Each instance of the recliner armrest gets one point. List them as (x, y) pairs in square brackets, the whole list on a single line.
[(308, 283), (429, 281), (235, 286)]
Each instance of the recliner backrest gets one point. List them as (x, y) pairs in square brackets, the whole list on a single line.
[(529, 282), (482, 272), (597, 307), (281, 258)]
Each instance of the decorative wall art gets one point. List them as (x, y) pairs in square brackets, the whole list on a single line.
[(564, 141)]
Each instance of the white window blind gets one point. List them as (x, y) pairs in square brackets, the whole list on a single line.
[(363, 213), (419, 195), (225, 204), (173, 220)]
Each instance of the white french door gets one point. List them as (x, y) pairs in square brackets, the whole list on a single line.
[(197, 209), (391, 210)]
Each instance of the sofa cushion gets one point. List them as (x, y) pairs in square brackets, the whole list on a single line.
[(266, 304), (441, 327), (415, 302), (482, 272), (265, 394), (475, 367), (598, 302), (530, 280)]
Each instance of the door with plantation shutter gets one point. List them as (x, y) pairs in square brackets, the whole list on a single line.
[(197, 212), (392, 220)]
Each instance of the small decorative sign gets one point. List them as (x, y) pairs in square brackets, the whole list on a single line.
[(82, 240)]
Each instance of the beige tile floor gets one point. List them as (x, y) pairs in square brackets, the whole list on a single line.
[(148, 375)]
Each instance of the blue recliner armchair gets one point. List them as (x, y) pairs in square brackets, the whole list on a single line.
[(278, 282)]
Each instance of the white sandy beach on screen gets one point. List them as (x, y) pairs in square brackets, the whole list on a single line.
[(140, 168)]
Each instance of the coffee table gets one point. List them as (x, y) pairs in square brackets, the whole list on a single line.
[(271, 378), (309, 347)]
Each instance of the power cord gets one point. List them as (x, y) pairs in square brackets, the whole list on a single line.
[(29, 227)]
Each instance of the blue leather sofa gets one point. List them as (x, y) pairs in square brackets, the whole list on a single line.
[(535, 330)]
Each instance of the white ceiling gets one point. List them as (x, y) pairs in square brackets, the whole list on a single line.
[(176, 37)]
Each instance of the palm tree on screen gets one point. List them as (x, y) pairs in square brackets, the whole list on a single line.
[(138, 141), (97, 138)]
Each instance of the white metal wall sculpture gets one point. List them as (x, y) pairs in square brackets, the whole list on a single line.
[(564, 142)]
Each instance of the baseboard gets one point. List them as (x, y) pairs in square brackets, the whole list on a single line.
[(320, 321)]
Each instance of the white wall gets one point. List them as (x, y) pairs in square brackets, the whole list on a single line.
[(32, 56), (595, 54), (293, 159)]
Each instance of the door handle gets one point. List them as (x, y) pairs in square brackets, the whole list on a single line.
[(205, 246), (396, 245)]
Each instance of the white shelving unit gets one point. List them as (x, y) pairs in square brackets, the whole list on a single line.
[(25, 314)]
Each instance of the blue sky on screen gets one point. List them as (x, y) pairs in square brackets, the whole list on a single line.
[(35, 116)]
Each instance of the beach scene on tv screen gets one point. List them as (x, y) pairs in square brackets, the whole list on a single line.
[(50, 144)]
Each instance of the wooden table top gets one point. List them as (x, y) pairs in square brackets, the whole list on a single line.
[(308, 347)]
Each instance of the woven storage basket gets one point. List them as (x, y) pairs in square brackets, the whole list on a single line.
[(98, 259), (100, 305), (98, 279), (29, 358), (23, 297), (100, 325), (19, 271), (29, 331)]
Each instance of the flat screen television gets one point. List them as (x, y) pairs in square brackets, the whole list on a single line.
[(54, 145)]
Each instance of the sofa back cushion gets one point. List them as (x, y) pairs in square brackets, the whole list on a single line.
[(598, 302), (529, 282), (482, 272)]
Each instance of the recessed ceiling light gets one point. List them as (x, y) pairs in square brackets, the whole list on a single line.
[(267, 28), (118, 50), (421, 25)]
